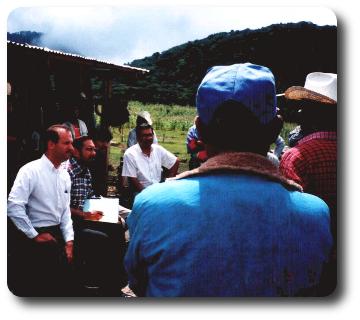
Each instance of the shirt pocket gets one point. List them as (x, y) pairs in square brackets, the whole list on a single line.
[(66, 193)]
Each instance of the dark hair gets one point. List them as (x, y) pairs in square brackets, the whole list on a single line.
[(235, 128), (79, 142), (141, 127), (102, 134), (317, 116), (140, 120), (52, 134)]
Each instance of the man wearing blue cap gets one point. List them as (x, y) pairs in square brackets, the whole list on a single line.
[(234, 226)]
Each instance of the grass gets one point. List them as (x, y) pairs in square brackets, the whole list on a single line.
[(171, 124)]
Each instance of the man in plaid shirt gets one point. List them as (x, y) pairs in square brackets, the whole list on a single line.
[(97, 244), (312, 161), (81, 187)]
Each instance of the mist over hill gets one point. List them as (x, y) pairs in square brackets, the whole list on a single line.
[(29, 37), (290, 50), (36, 39)]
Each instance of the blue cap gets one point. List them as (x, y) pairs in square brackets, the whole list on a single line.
[(251, 85)]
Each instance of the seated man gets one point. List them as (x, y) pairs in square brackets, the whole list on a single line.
[(100, 245), (38, 206), (143, 162)]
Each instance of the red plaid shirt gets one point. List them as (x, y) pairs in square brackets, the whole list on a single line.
[(312, 164)]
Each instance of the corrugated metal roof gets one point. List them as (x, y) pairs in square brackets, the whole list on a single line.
[(55, 52)]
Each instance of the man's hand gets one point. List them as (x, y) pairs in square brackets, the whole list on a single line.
[(69, 251), (44, 237), (172, 172), (93, 215)]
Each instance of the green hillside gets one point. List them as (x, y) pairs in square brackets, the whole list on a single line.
[(290, 50)]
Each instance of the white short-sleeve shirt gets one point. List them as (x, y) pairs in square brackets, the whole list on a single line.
[(147, 169)]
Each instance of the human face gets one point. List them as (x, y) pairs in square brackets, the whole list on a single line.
[(146, 138), (63, 149), (88, 152)]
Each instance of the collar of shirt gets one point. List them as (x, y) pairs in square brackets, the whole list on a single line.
[(75, 168), (141, 152), (320, 135), (48, 164), (245, 162)]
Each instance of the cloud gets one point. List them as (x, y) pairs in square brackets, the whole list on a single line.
[(122, 34)]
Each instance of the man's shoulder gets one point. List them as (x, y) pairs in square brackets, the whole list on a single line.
[(308, 150), (134, 149), (132, 131), (33, 165), (169, 191), (308, 204), (158, 149)]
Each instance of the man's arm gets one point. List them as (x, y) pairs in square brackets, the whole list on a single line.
[(136, 184), (129, 170), (94, 215), (17, 201), (77, 213), (170, 162), (69, 250), (174, 169), (293, 167)]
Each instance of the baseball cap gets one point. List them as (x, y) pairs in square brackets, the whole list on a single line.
[(250, 84)]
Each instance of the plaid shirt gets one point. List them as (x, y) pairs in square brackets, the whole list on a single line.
[(312, 164), (81, 187)]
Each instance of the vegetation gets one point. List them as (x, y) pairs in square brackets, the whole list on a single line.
[(168, 92), (290, 50), (171, 124)]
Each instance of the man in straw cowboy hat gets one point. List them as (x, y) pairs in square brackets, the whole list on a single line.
[(234, 226), (312, 161), (142, 117)]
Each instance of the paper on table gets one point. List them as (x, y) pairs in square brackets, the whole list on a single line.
[(108, 206)]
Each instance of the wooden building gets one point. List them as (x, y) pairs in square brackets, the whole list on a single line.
[(45, 85)]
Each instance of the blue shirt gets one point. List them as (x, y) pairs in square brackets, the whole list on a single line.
[(222, 234)]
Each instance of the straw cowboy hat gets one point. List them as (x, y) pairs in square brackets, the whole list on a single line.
[(319, 87), (145, 115)]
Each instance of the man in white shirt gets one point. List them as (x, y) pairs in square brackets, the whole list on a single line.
[(143, 162), (142, 117), (39, 207)]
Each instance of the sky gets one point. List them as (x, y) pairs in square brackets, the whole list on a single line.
[(120, 34)]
